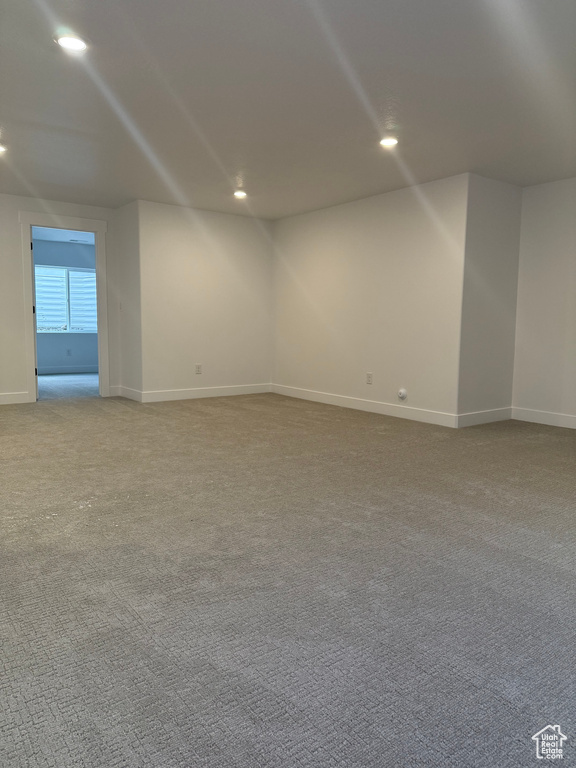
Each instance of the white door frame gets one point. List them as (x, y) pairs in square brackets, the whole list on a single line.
[(29, 219)]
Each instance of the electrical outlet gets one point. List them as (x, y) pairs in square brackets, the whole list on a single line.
[(198, 368), (369, 378)]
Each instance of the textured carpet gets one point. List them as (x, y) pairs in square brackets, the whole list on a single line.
[(66, 385), (263, 581)]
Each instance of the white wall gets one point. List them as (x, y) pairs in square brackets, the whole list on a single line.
[(124, 302), (545, 367), (16, 361), (183, 287), (374, 286), (489, 301), (52, 253), (13, 364), (67, 353), (206, 298), (415, 286)]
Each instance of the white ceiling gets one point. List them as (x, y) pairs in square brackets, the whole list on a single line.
[(179, 101)]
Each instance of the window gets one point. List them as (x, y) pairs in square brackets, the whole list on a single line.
[(65, 300)]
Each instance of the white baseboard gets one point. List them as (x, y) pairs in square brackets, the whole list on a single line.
[(545, 417), (62, 369), (372, 406), (483, 417), (12, 398), (163, 395), (156, 396), (131, 394)]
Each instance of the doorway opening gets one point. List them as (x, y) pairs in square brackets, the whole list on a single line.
[(66, 316)]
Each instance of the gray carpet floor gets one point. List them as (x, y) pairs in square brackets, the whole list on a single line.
[(265, 582), (66, 385)]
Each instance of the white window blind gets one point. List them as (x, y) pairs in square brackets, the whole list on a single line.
[(82, 292), (51, 299), (65, 300)]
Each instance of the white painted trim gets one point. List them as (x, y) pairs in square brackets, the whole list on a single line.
[(29, 330), (11, 398), (162, 395), (30, 219), (102, 301), (55, 221), (372, 406), (544, 417), (484, 417)]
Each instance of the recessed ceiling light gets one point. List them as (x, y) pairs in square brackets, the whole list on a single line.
[(389, 141), (2, 148), (69, 43), (240, 194)]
